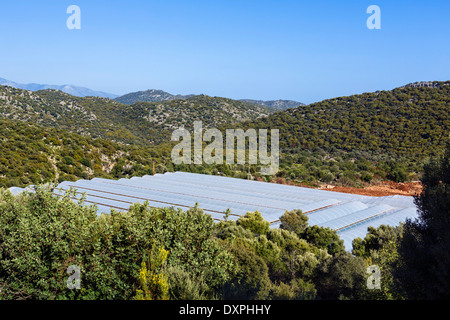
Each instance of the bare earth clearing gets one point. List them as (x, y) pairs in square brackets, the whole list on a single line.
[(385, 188), (380, 189)]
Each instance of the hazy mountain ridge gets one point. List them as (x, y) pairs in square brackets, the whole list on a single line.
[(152, 95), (70, 89)]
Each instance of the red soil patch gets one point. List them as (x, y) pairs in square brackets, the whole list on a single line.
[(381, 189), (385, 188)]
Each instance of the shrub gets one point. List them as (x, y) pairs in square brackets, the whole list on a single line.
[(294, 221), (41, 235), (254, 222)]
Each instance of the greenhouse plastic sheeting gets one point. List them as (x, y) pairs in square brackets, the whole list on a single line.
[(360, 229), (349, 214)]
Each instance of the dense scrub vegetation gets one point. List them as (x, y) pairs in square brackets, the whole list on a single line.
[(404, 122), (32, 154), (41, 236), (151, 95), (142, 123), (350, 141), (383, 135), (159, 96), (424, 249), (414, 257), (164, 253)]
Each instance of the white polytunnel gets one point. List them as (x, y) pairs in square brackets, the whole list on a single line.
[(349, 214)]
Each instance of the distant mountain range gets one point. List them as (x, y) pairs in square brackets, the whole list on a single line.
[(70, 89), (154, 95)]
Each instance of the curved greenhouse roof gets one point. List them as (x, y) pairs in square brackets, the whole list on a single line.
[(349, 214)]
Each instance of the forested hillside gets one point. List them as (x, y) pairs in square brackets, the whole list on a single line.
[(350, 141), (140, 123), (152, 95), (404, 121), (33, 154), (387, 134), (213, 112), (275, 104)]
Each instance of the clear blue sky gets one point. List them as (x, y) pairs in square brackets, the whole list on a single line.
[(279, 49)]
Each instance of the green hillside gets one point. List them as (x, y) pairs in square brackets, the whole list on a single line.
[(355, 140), (141, 123), (404, 121), (212, 111), (152, 95), (359, 137), (32, 154)]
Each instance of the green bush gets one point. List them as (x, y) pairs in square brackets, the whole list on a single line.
[(42, 235), (294, 221), (183, 287), (254, 222), (68, 160), (324, 238), (398, 175)]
